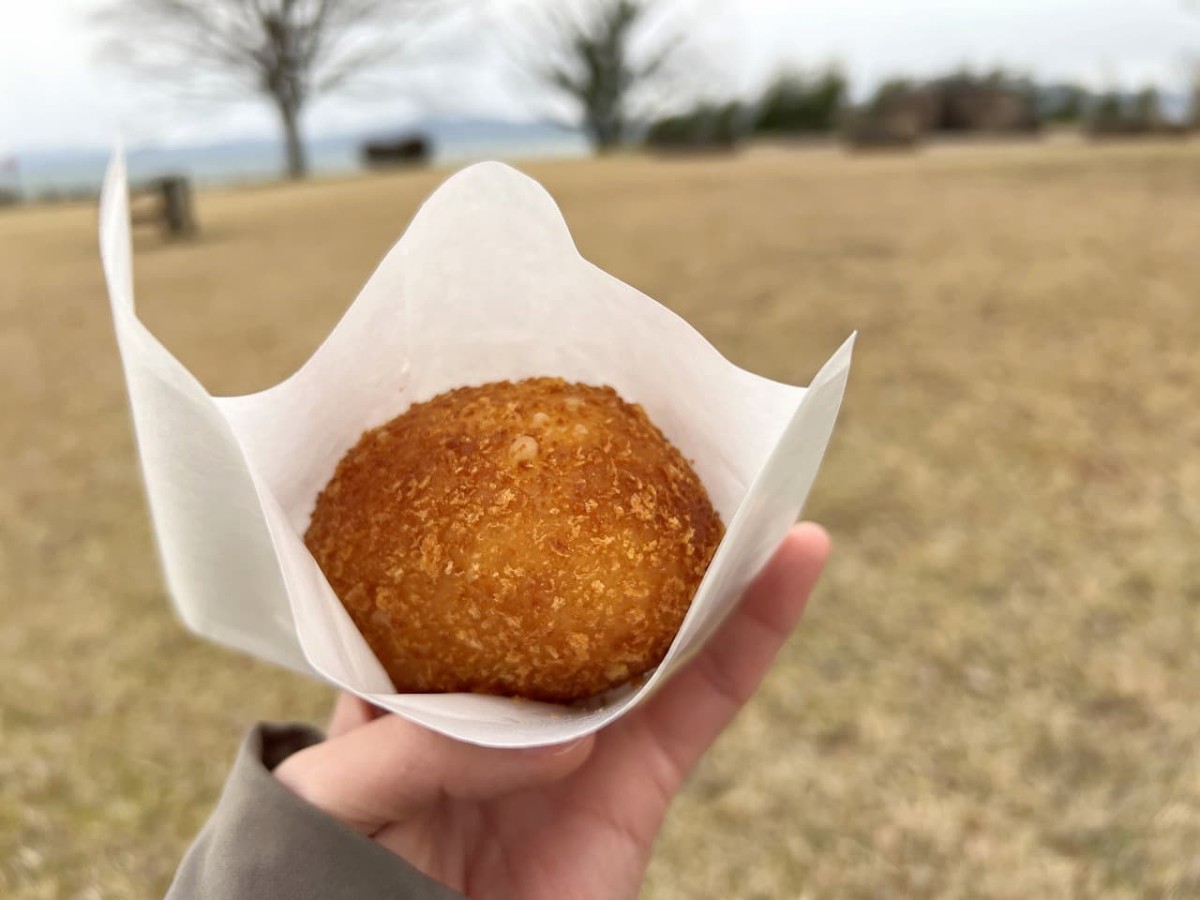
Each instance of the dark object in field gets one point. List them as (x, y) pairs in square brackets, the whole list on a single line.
[(411, 150), (538, 539), (167, 202)]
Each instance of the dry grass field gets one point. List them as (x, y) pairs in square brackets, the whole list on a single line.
[(996, 692)]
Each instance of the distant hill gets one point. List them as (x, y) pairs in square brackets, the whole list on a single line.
[(257, 159)]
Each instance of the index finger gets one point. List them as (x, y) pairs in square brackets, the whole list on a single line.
[(692, 710)]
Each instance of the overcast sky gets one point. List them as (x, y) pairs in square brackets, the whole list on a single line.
[(54, 94)]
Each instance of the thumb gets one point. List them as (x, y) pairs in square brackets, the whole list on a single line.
[(389, 770)]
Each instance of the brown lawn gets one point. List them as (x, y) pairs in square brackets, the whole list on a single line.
[(996, 692)]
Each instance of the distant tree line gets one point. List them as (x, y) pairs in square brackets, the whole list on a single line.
[(793, 103), (902, 111), (611, 66)]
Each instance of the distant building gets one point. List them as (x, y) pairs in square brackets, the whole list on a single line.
[(965, 105), (903, 114)]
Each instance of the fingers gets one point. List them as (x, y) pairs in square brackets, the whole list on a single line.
[(375, 771), (350, 712), (688, 714), (389, 769)]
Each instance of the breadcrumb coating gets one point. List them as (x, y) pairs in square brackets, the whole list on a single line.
[(536, 539)]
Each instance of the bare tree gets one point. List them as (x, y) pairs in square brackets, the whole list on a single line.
[(598, 57), (287, 51)]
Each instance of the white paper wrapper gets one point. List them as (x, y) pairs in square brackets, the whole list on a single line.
[(485, 285)]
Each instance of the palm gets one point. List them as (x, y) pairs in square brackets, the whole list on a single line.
[(546, 842), (496, 823), (588, 835)]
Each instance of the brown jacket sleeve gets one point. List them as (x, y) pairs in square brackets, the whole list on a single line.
[(264, 842)]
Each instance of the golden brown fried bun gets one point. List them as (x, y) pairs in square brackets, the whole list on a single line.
[(538, 539)]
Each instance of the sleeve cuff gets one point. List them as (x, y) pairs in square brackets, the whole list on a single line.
[(263, 841)]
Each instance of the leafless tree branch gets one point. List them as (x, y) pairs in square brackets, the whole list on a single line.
[(601, 59), (288, 51)]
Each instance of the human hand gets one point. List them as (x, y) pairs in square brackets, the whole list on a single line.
[(571, 821)]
